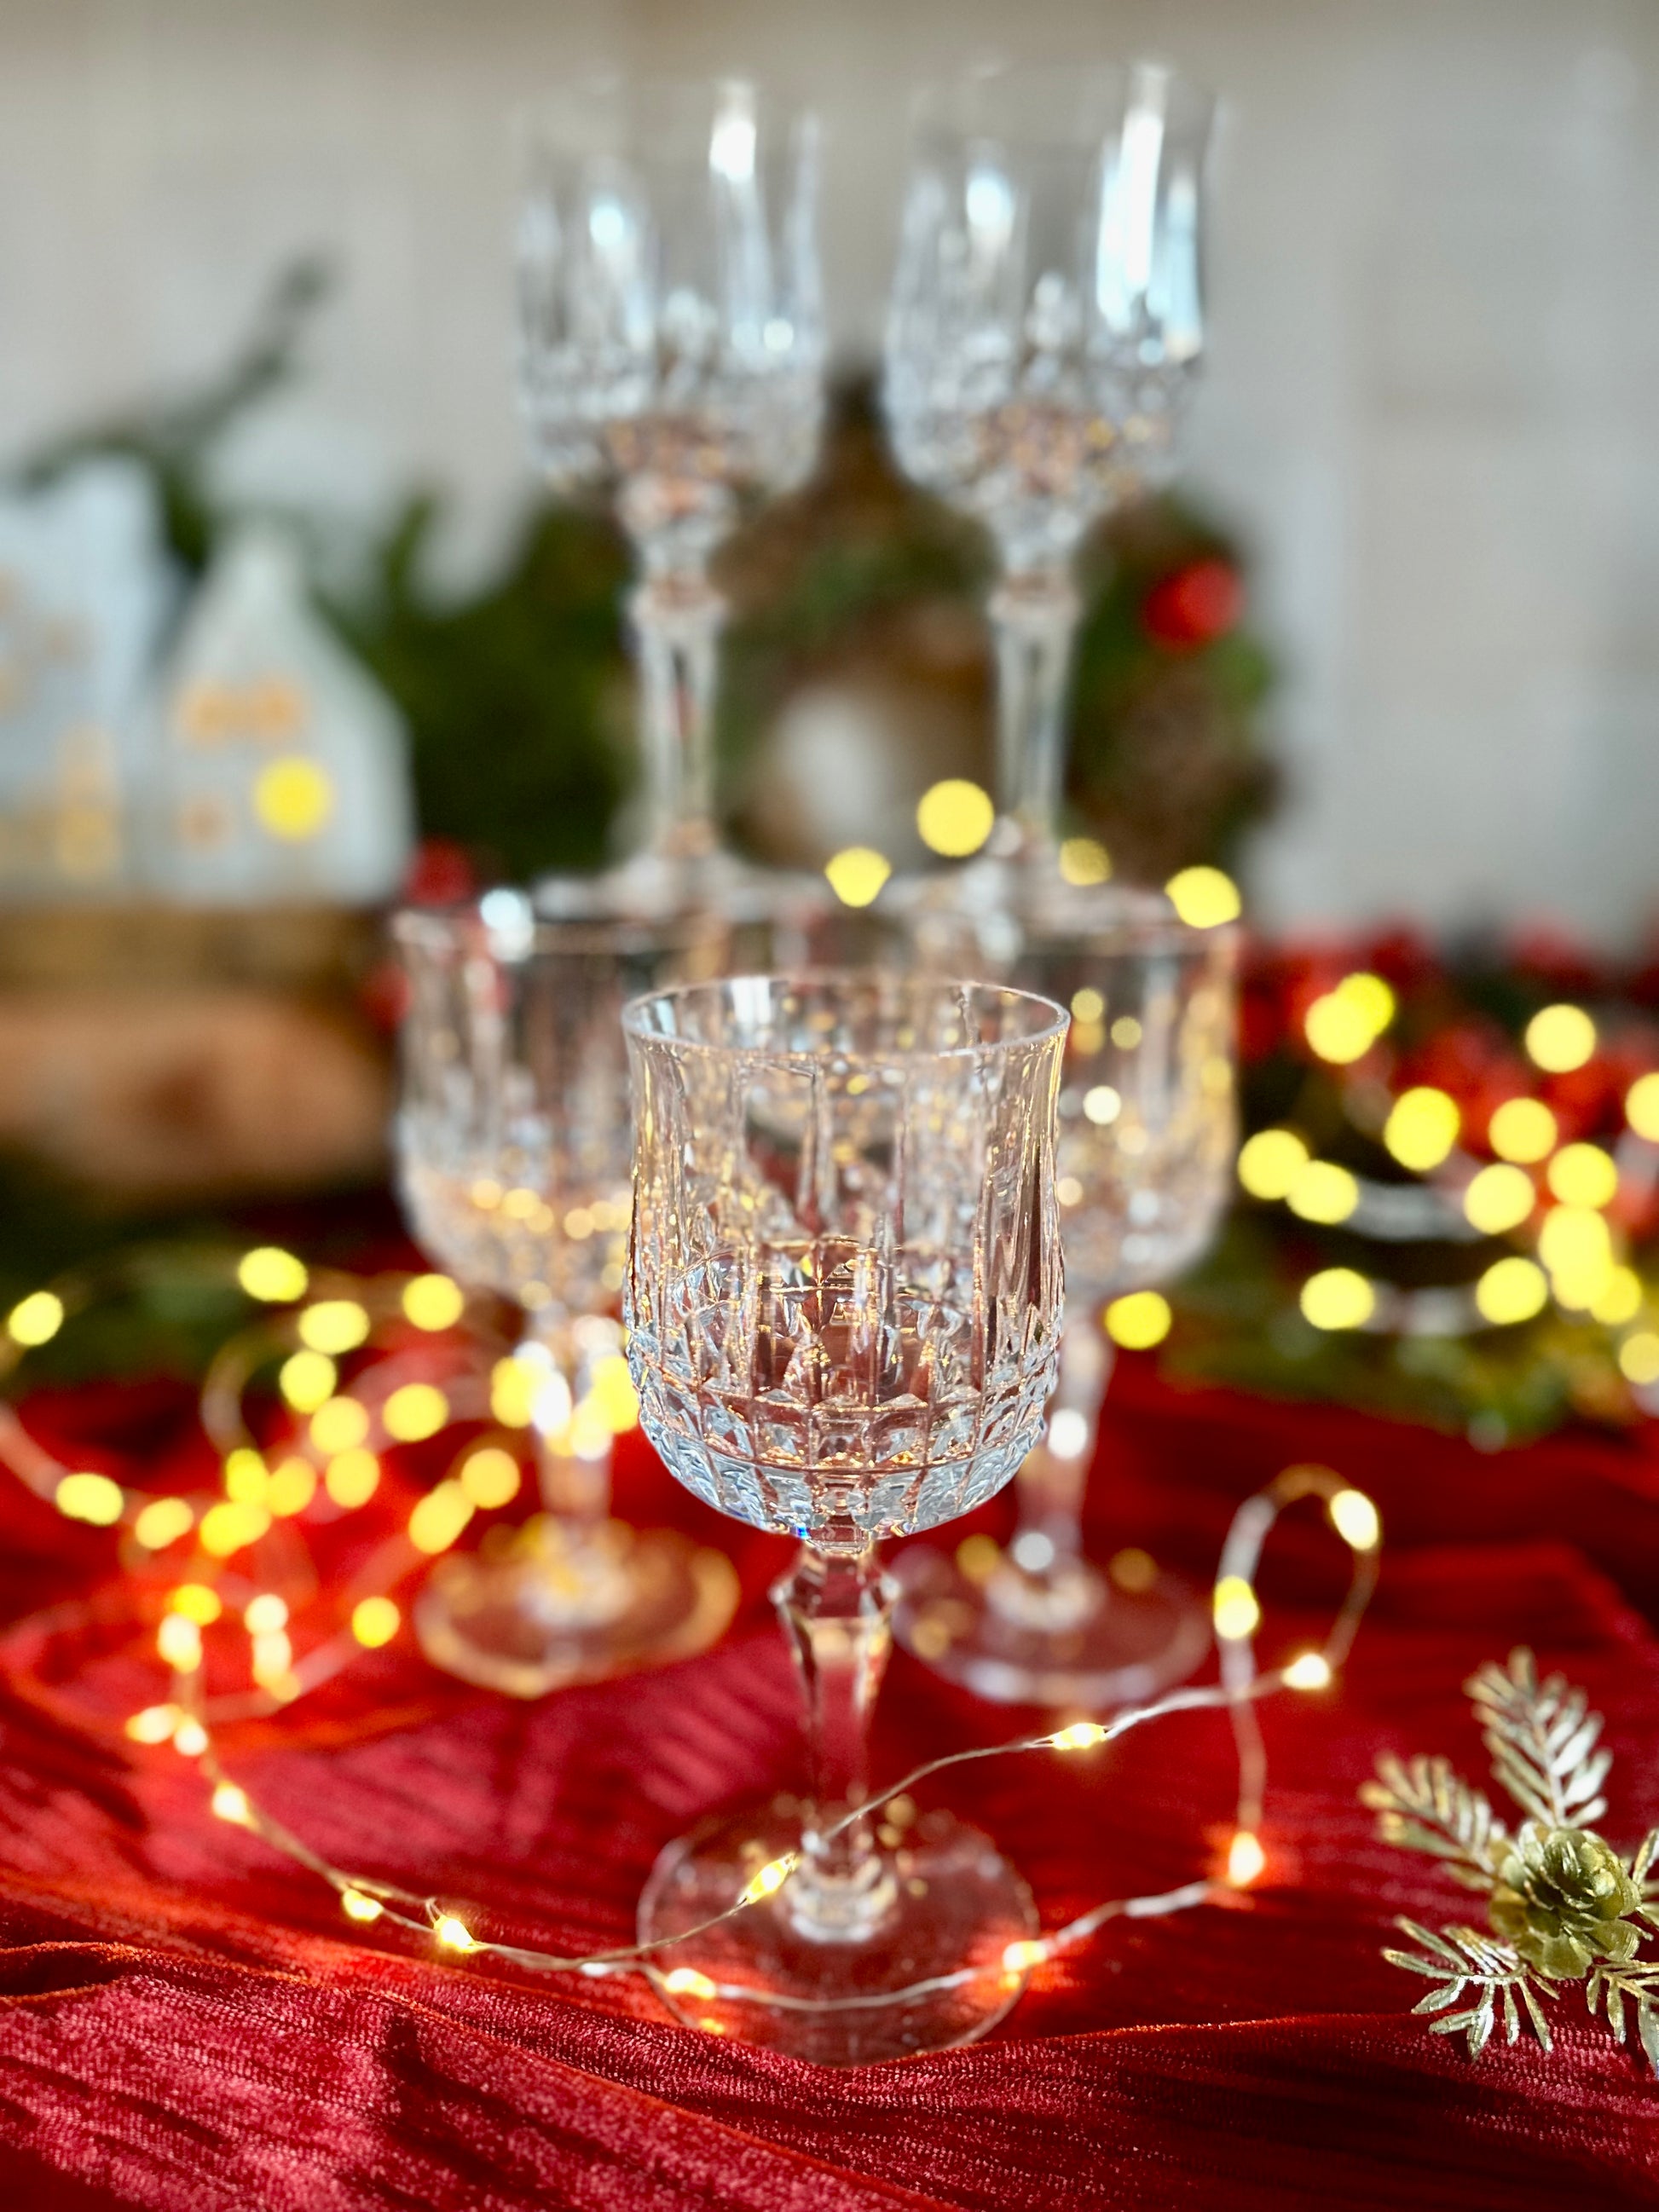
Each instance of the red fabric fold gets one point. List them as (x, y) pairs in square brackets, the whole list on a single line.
[(186, 2021)]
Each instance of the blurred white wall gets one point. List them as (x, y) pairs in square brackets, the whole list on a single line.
[(1432, 408)]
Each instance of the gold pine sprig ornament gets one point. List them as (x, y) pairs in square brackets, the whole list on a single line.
[(1562, 1906)]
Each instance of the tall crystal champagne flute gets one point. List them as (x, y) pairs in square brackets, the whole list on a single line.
[(843, 1299), (672, 356), (513, 1156), (1045, 326), (1147, 1136)]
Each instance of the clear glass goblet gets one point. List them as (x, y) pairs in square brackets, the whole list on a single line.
[(671, 352), (513, 1156), (1147, 1137), (1044, 330), (843, 1301)]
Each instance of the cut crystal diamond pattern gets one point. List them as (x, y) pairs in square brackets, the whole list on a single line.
[(844, 1282)]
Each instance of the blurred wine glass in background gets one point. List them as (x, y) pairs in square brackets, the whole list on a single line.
[(1147, 1134), (513, 1156), (672, 346), (1044, 329)]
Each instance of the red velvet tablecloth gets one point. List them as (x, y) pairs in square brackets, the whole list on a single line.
[(186, 2022)]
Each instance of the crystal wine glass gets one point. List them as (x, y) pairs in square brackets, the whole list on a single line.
[(672, 356), (1044, 330), (514, 1156), (843, 1298), (1147, 1136)]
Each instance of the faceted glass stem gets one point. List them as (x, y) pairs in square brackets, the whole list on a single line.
[(1052, 1482), (575, 1490), (836, 1612), (677, 618), (1034, 617)]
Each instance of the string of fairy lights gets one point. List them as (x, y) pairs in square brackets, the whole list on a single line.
[(955, 818), (234, 1550), (235, 1557), (1560, 1201), (366, 1899)]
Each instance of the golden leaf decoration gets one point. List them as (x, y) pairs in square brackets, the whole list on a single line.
[(1564, 1906)]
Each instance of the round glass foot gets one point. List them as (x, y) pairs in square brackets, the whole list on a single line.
[(1067, 1636), (946, 1906), (563, 1606)]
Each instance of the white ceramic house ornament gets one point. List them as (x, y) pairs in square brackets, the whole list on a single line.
[(85, 593), (285, 766)]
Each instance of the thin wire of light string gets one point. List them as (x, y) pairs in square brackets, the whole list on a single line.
[(1239, 1690), (223, 1421), (1242, 1686)]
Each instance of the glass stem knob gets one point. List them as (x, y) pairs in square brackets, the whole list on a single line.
[(677, 618), (836, 1612), (1034, 615)]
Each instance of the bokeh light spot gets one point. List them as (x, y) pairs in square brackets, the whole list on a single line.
[(514, 1387), (1338, 1030), (1620, 1299), (163, 1522), (35, 1319), (338, 1424), (334, 1325), (272, 1275), (1246, 1860), (197, 1603), (293, 1485), (1323, 1192), (1422, 1127), (1338, 1298), (178, 1643), (307, 1379), (1236, 1612), (612, 1394), (1642, 1106), (351, 1479), (230, 1527), (1511, 1290), (1356, 1519), (857, 874), (954, 818), (1560, 1038), (439, 1517), (1084, 861), (433, 1302), (90, 1497), (1582, 1175), (1204, 897), (1523, 1130), (1370, 996), (1270, 1161), (1139, 1321), (374, 1622), (294, 798), (1498, 1198), (415, 1412), (491, 1477), (247, 1479)]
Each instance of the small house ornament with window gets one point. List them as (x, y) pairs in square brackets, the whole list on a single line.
[(284, 768), (85, 592)]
